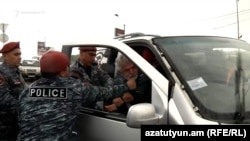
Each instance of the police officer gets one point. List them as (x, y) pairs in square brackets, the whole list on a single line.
[(48, 109), (11, 54), (88, 71), (12, 83)]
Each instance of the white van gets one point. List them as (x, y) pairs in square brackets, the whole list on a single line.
[(204, 80)]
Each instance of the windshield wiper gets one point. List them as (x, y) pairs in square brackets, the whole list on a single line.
[(239, 97)]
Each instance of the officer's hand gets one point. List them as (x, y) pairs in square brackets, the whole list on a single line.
[(110, 108), (127, 97), (131, 84), (118, 101)]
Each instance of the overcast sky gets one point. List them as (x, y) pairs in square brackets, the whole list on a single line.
[(54, 21)]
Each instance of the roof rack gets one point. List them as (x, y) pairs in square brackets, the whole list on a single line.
[(131, 35)]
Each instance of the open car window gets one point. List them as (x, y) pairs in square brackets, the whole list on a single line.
[(105, 61)]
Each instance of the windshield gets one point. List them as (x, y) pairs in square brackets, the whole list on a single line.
[(216, 71)]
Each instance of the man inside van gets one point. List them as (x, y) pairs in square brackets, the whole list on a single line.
[(126, 70)]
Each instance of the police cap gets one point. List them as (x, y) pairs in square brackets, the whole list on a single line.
[(9, 47), (54, 62)]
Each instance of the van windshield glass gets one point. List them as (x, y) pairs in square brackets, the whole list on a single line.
[(216, 72)]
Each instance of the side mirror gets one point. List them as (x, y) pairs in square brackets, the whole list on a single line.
[(142, 113)]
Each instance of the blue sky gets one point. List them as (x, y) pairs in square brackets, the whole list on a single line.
[(55, 21)]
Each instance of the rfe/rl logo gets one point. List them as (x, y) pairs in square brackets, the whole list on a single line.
[(48, 93)]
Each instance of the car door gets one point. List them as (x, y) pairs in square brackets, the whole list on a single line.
[(100, 125)]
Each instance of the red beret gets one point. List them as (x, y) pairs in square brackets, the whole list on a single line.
[(54, 62), (87, 48), (9, 47), (148, 55)]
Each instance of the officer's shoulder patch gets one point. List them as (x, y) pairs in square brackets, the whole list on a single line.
[(2, 80), (48, 92)]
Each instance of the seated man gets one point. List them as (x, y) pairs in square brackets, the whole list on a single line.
[(126, 70)]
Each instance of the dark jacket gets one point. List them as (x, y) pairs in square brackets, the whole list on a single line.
[(141, 94)]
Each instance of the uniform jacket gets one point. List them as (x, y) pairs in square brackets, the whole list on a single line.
[(51, 116), (141, 94), (15, 79), (93, 75), (11, 85)]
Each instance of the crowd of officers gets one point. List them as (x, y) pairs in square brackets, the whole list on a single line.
[(47, 108)]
